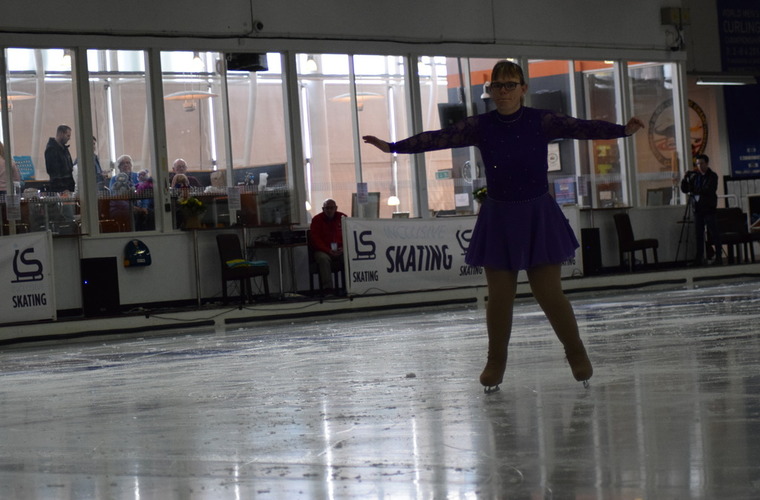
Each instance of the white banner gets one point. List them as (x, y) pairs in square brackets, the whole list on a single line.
[(26, 278), (400, 255)]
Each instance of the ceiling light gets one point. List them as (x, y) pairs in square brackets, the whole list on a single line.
[(198, 63), (726, 79), (189, 94), (15, 95), (188, 98), (361, 98), (311, 65), (66, 59)]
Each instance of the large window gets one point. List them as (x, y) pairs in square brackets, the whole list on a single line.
[(342, 98), (40, 98), (603, 180), (227, 134), (196, 155), (257, 128), (451, 89), (122, 143), (657, 158), (551, 86)]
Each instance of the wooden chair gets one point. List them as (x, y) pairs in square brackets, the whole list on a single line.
[(734, 234), (230, 251), (628, 244), (336, 267)]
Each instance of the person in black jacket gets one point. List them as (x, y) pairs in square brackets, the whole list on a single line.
[(58, 161), (701, 184)]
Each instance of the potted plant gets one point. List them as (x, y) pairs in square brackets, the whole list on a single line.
[(190, 208)]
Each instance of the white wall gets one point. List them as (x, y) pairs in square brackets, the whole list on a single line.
[(702, 42), (559, 26)]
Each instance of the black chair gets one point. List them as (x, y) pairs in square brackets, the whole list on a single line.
[(229, 252), (628, 244), (734, 234), (336, 267)]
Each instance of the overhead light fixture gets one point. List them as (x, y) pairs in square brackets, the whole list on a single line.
[(361, 98), (188, 97), (198, 64), (15, 95), (66, 59), (311, 65), (189, 94), (726, 79)]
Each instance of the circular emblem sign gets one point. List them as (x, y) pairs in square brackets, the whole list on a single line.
[(662, 131)]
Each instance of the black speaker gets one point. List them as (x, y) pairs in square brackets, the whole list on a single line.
[(244, 61), (450, 113), (592, 251), (100, 286)]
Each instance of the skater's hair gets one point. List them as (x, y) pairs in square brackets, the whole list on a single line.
[(702, 157), (507, 69)]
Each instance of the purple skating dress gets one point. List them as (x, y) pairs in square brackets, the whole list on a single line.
[(519, 225)]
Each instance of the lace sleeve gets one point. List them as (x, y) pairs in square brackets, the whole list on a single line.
[(460, 134), (559, 126)]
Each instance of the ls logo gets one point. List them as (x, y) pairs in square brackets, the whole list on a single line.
[(463, 238), (364, 246), (25, 268)]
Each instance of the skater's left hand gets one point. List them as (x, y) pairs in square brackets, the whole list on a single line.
[(633, 126)]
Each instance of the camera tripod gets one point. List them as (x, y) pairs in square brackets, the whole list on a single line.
[(685, 221)]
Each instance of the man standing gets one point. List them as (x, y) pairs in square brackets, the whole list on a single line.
[(701, 184), (58, 161), (326, 240)]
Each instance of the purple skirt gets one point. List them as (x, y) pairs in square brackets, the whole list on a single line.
[(515, 235)]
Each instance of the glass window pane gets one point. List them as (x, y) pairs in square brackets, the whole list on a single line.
[(448, 171), (123, 147), (450, 88), (381, 98), (40, 92), (603, 178), (258, 135), (657, 171), (193, 114), (327, 130), (331, 140), (549, 87)]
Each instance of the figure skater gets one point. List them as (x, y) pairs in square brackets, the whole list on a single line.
[(519, 226)]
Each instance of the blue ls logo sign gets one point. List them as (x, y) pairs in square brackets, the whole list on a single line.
[(26, 268), (364, 246)]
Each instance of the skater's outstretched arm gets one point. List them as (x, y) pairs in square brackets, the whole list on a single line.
[(378, 143)]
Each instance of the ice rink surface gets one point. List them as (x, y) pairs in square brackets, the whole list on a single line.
[(388, 405)]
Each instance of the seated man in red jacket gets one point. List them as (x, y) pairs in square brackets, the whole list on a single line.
[(326, 240)]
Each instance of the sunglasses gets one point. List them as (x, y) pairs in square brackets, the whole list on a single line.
[(496, 86)]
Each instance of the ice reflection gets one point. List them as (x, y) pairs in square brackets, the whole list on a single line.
[(388, 405)]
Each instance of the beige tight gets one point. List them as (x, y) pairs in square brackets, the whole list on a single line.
[(545, 283)]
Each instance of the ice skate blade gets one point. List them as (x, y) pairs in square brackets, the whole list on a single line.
[(586, 384), (491, 389)]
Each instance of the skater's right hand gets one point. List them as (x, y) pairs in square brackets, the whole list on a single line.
[(378, 143)]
